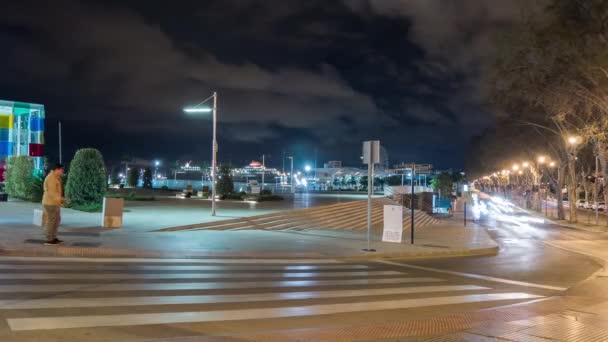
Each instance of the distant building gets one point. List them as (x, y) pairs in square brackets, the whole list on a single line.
[(333, 164), (255, 170), (384, 164), (22, 131)]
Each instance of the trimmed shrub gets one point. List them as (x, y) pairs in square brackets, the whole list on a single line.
[(133, 177), (19, 178), (225, 185), (86, 178)]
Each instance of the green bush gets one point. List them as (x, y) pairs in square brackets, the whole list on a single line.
[(225, 185), (37, 188), (164, 188), (88, 208), (265, 192), (19, 179), (86, 179), (133, 177)]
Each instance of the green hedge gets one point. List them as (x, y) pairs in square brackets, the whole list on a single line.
[(86, 178), (20, 180)]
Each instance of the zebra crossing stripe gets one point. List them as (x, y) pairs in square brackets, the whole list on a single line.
[(212, 275), (68, 322), (55, 303), (94, 267), (171, 261), (38, 288)]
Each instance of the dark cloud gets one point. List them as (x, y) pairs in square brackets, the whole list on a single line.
[(289, 73)]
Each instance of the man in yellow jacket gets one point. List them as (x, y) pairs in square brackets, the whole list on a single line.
[(52, 200)]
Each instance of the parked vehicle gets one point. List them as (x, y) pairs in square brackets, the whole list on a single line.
[(602, 206), (588, 205), (580, 203)]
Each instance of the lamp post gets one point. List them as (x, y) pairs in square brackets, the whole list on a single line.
[(214, 147), (156, 164), (291, 175)]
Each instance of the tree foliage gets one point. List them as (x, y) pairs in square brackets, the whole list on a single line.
[(20, 181), (133, 177), (225, 185), (442, 183), (550, 73), (86, 178)]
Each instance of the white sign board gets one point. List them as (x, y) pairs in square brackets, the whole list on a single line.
[(111, 214), (393, 223), (371, 149), (255, 190)]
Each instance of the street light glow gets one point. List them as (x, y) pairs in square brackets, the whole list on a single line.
[(307, 168), (521, 172), (197, 110), (515, 167), (525, 164), (157, 163), (573, 140), (542, 159), (552, 164)]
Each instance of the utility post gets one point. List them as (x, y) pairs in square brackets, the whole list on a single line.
[(412, 201), (371, 156)]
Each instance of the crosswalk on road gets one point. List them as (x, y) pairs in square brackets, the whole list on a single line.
[(68, 295)]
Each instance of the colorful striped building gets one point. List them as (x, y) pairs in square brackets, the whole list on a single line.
[(21, 131)]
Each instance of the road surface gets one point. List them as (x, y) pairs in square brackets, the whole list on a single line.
[(129, 300)]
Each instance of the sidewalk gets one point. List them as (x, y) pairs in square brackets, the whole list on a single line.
[(586, 219), (18, 237)]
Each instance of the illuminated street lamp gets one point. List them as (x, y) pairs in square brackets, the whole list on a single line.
[(293, 189), (198, 109), (307, 168), (552, 164), (573, 140), (542, 159), (525, 164), (515, 167), (156, 164)]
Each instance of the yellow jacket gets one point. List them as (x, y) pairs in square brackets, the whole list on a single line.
[(53, 193)]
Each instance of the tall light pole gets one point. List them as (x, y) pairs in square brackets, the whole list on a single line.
[(291, 175), (156, 163), (214, 146)]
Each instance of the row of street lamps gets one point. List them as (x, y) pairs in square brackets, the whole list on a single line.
[(519, 171)]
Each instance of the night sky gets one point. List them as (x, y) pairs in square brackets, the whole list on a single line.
[(293, 76)]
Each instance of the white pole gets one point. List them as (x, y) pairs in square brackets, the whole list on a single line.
[(370, 190), (60, 155), (263, 169), (293, 189), (214, 153), (597, 207)]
